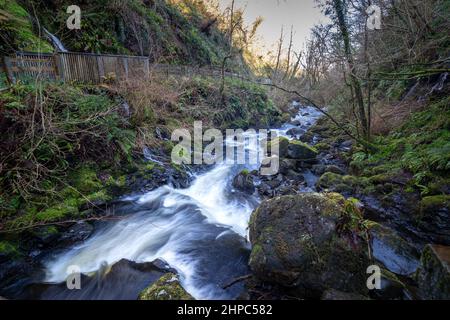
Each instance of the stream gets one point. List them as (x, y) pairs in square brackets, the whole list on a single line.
[(200, 231)]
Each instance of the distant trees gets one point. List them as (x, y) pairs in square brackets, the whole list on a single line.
[(346, 62)]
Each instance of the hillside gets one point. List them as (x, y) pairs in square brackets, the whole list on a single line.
[(177, 32)]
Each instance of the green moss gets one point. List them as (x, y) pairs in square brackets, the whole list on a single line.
[(56, 213), (420, 146), (8, 249), (85, 180), (245, 172), (17, 30), (166, 288), (101, 195), (322, 146), (300, 143), (432, 204)]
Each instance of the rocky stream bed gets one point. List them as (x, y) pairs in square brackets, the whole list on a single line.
[(228, 232)]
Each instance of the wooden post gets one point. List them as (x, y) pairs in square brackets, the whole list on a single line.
[(101, 68), (125, 66), (59, 71), (8, 70), (147, 67)]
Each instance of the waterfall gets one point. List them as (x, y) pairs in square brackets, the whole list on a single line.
[(201, 231), (55, 41)]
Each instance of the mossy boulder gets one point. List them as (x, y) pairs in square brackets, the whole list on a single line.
[(434, 216), (278, 146), (433, 276), (244, 182), (394, 252), (168, 287), (334, 182), (301, 151), (308, 243)]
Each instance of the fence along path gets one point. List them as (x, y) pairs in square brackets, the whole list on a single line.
[(93, 68)]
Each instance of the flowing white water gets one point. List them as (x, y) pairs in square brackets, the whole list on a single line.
[(168, 224), (56, 42), (200, 231)]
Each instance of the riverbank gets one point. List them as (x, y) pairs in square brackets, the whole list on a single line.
[(388, 205), (73, 151)]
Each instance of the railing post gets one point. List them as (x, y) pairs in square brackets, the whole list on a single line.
[(125, 66), (147, 67), (101, 68), (58, 66)]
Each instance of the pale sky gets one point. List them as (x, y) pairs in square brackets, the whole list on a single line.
[(302, 14)]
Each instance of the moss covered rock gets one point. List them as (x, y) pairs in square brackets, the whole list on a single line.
[(433, 277), (308, 243), (344, 184), (278, 146), (244, 182), (168, 287), (434, 216), (301, 151)]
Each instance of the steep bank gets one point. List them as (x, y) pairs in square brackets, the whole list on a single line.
[(402, 189), (176, 32), (72, 149)]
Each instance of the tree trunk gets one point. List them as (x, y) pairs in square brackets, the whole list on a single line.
[(339, 8)]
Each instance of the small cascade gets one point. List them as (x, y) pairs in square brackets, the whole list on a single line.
[(57, 44)]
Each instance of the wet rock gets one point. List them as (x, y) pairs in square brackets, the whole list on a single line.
[(334, 169), (244, 182), (391, 287), (433, 276), (344, 184), (125, 279), (332, 294), (294, 132), (434, 217), (395, 253), (76, 233), (320, 169), (298, 243), (46, 234), (168, 287), (301, 151), (288, 164), (347, 144), (278, 146), (14, 272)]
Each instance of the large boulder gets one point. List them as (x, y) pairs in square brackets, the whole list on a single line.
[(433, 276), (168, 287), (309, 243), (434, 217), (279, 147), (301, 151), (394, 252)]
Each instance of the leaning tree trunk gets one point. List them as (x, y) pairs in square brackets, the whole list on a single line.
[(339, 8)]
